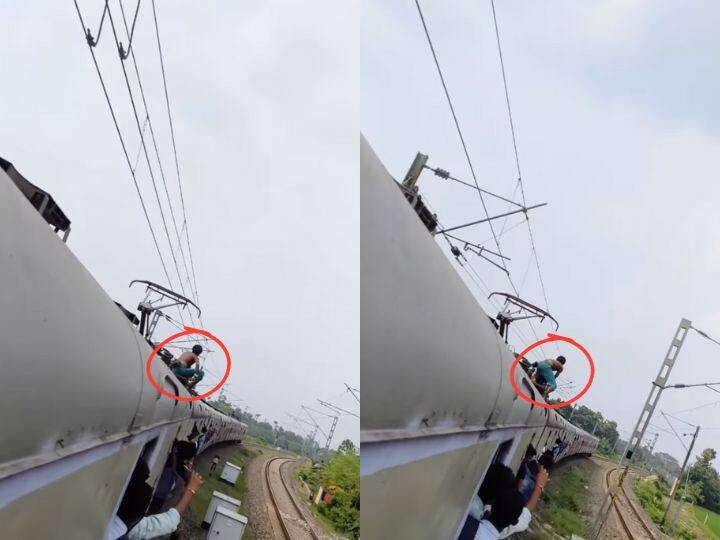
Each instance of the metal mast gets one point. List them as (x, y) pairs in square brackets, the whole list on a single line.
[(647, 411), (328, 436)]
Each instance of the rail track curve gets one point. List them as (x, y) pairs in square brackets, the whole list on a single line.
[(292, 520), (631, 517)]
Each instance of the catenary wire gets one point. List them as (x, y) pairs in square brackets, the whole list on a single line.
[(155, 146), (174, 146), (122, 144), (517, 158), (147, 159)]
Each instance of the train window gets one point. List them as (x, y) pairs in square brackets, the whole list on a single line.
[(502, 451), (147, 452), (129, 509)]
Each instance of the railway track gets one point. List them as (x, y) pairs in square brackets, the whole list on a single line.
[(634, 516), (293, 522)]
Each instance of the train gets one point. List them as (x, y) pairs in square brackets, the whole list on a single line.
[(78, 411), (438, 407)]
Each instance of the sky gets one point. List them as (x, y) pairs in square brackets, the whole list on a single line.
[(264, 98), (616, 118)]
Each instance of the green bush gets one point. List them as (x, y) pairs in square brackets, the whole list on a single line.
[(343, 472)]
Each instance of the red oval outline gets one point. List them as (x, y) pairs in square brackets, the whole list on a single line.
[(188, 331), (549, 339)]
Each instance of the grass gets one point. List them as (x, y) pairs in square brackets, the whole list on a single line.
[(694, 516), (565, 502), (653, 498)]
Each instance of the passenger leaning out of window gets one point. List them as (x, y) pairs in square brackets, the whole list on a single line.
[(500, 508), (131, 523)]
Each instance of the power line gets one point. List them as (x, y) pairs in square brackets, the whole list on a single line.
[(673, 429), (517, 158), (457, 125), (678, 419), (706, 336), (145, 152), (154, 141), (148, 121), (172, 136), (698, 407), (86, 32), (467, 155)]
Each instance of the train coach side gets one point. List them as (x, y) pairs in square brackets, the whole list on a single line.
[(78, 410), (438, 407)]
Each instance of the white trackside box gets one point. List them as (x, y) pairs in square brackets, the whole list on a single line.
[(226, 525), (219, 500), (230, 473)]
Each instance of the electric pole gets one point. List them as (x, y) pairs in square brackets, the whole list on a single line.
[(677, 485), (647, 411)]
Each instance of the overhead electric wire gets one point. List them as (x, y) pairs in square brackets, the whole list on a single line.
[(172, 136), (698, 407), (155, 146), (517, 157), (515, 148), (469, 160), (139, 151), (673, 429), (679, 419), (484, 290), (457, 124), (706, 336), (122, 142), (147, 158)]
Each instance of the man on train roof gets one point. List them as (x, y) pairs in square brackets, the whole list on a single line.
[(546, 373), (183, 369)]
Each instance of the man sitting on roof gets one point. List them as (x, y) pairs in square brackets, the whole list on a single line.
[(546, 373), (182, 369)]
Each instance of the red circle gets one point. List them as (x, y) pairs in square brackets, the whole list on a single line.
[(188, 330), (550, 338)]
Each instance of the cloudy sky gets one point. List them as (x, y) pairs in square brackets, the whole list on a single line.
[(617, 127), (265, 107)]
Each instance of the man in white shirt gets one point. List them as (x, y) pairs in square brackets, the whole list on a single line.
[(135, 502), (505, 514)]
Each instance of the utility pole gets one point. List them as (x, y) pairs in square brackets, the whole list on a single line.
[(677, 485), (644, 419), (572, 412), (595, 426)]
